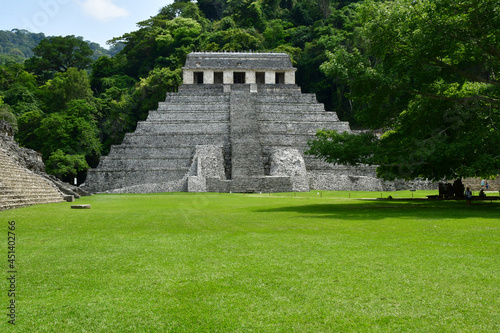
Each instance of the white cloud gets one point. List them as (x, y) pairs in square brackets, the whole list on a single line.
[(103, 10)]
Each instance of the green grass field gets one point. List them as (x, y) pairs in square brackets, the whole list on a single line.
[(305, 262)]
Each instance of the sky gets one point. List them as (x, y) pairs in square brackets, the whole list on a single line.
[(95, 20)]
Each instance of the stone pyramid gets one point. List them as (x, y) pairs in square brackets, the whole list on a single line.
[(238, 123)]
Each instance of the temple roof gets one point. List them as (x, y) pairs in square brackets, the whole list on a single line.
[(235, 60)]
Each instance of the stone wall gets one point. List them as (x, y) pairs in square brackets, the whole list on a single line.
[(475, 184)]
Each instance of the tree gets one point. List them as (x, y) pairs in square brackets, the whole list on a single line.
[(117, 106), (27, 124), (18, 91), (247, 13), (426, 72), (159, 42), (21, 99), (64, 87), (13, 74), (175, 41), (66, 166), (7, 115), (276, 33), (58, 54), (73, 135), (233, 40), (106, 67), (213, 9), (183, 8), (18, 44)]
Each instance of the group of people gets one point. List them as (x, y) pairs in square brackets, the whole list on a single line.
[(468, 192)]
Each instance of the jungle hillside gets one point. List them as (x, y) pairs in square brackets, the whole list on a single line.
[(425, 74)]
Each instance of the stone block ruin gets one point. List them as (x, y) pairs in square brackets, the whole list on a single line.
[(23, 181), (20, 182), (238, 123)]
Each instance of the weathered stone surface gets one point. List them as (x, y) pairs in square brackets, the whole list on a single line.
[(208, 162), (246, 127), (246, 149), (25, 158), (475, 184), (288, 162)]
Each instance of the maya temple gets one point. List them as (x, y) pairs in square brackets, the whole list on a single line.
[(238, 123)]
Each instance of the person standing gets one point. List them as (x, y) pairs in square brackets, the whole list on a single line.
[(468, 196)]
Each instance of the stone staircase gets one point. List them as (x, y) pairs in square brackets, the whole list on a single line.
[(20, 187), (247, 126)]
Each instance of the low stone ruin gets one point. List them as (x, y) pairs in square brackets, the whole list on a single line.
[(23, 181)]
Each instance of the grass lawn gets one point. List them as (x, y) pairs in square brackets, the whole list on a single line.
[(304, 262)]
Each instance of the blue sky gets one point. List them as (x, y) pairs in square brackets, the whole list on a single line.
[(95, 20)]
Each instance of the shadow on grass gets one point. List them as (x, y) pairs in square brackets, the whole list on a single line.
[(373, 210)]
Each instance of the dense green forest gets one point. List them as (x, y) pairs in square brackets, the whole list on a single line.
[(71, 101), (17, 45)]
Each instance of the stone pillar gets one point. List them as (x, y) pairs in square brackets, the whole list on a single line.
[(188, 76), (250, 77), (208, 77), (290, 77), (270, 77), (228, 77)]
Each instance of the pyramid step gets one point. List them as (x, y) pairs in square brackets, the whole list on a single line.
[(124, 151), (180, 140), (20, 187), (284, 109), (132, 163), (113, 179), (196, 99), (158, 127), (188, 116), (298, 116)]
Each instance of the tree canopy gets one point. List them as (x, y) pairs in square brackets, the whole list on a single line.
[(17, 45), (58, 54), (425, 73)]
